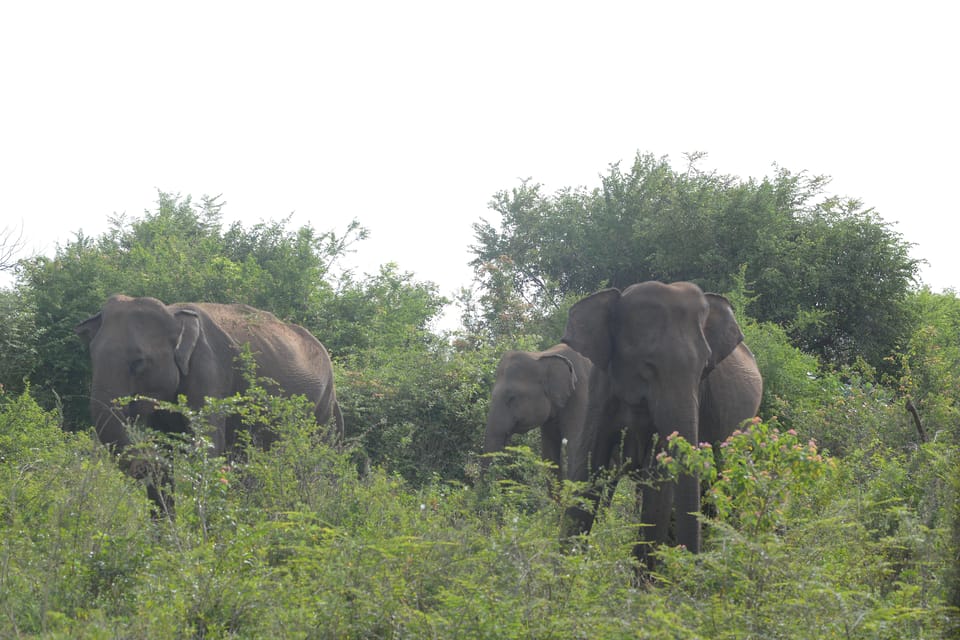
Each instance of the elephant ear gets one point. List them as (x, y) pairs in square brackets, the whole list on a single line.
[(589, 325), (190, 332), (559, 379), (88, 329), (721, 330)]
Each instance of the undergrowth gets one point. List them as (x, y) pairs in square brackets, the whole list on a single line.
[(301, 541)]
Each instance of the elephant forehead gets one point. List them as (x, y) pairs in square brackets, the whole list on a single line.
[(515, 361), (681, 297), (641, 328), (138, 325)]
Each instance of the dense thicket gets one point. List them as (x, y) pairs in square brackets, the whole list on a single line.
[(829, 271), (856, 536)]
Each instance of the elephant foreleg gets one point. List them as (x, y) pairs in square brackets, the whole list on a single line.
[(687, 503), (657, 500), (551, 448)]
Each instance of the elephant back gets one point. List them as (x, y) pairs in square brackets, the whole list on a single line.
[(287, 353)]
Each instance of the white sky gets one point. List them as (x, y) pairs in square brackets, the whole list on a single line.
[(410, 115)]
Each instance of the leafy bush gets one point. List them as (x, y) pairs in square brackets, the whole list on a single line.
[(419, 413), (295, 542), (793, 552)]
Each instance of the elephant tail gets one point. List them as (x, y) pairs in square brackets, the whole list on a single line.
[(338, 419)]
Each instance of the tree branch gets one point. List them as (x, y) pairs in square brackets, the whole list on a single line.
[(916, 420)]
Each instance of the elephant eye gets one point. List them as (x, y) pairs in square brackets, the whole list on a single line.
[(137, 366)]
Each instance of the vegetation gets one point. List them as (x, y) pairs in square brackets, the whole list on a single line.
[(830, 272), (836, 515)]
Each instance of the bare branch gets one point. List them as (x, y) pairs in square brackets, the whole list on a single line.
[(11, 243)]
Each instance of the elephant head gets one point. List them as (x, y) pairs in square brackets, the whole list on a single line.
[(138, 346), (545, 389), (657, 342)]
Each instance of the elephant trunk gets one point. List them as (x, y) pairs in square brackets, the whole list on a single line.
[(108, 417), (679, 412), (498, 432)]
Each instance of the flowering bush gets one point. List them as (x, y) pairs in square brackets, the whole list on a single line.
[(753, 475)]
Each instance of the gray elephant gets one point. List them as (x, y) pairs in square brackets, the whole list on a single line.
[(676, 361), (141, 346), (547, 389)]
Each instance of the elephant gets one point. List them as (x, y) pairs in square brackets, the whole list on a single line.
[(547, 389), (676, 362), (143, 347)]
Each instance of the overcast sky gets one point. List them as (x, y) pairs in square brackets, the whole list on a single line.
[(409, 116)]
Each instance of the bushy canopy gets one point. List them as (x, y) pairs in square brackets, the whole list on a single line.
[(826, 268)]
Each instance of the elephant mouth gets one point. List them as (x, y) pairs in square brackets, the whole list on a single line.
[(634, 396), (141, 408)]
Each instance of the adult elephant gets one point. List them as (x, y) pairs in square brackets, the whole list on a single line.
[(143, 347), (676, 361), (547, 389)]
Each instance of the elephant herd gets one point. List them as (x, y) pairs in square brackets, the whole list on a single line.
[(632, 368)]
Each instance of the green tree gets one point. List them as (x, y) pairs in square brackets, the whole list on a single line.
[(378, 314), (17, 341), (178, 252), (831, 272), (929, 364)]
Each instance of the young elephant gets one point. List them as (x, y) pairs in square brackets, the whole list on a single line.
[(141, 346), (547, 389)]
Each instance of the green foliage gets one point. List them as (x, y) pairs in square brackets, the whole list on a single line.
[(421, 413), (929, 363), (760, 471), (71, 526), (294, 542), (177, 253), (17, 341), (831, 272), (792, 380), (806, 545), (383, 313), (394, 535)]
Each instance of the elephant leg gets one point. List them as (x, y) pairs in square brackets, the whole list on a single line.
[(160, 494), (579, 518), (217, 433), (158, 476), (551, 445), (655, 511), (687, 503)]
